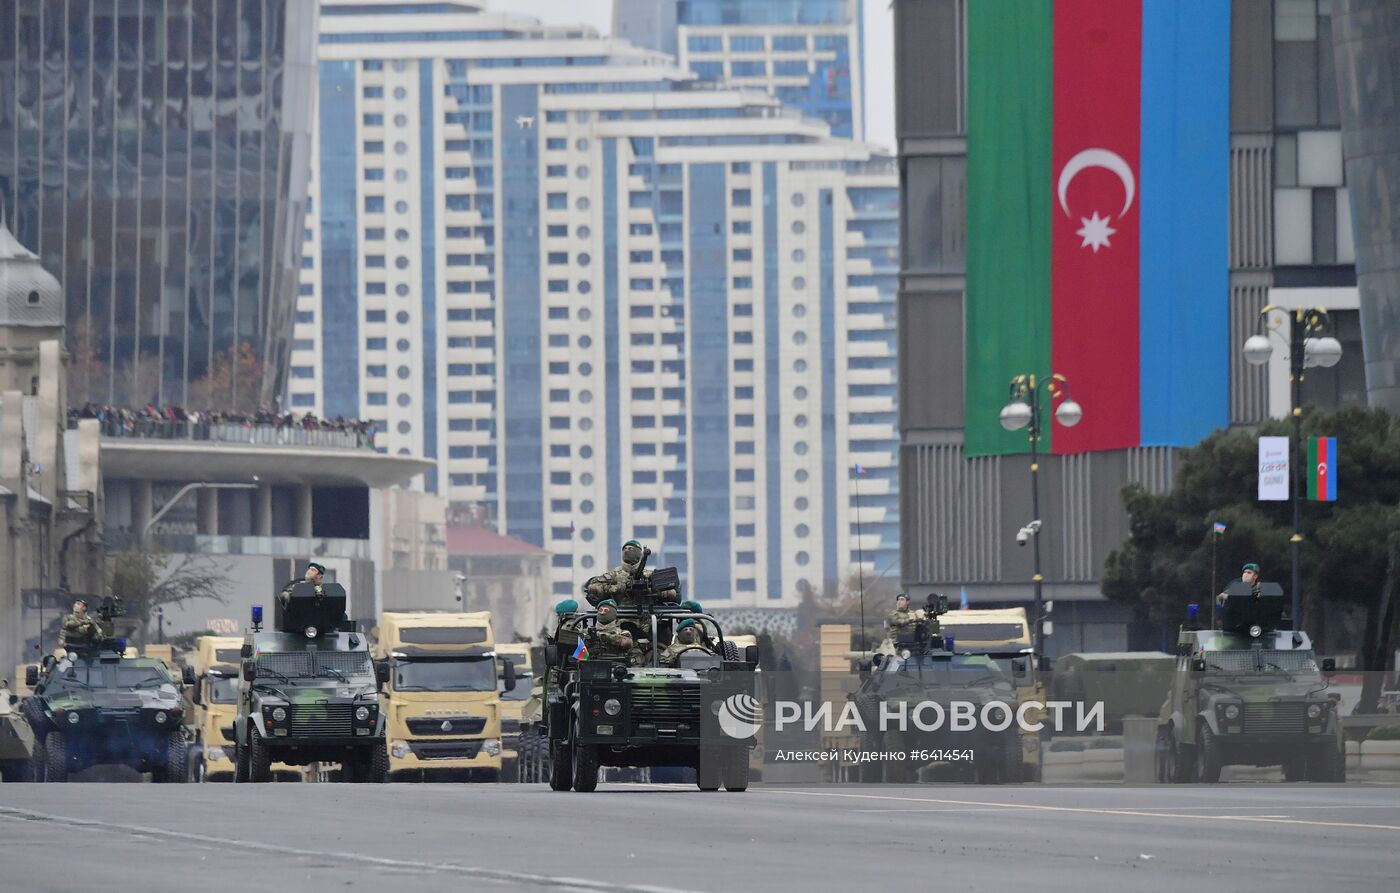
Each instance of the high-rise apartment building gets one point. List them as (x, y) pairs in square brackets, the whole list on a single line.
[(607, 299), (808, 53), (154, 154)]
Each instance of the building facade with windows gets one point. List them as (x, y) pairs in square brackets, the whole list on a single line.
[(810, 54), (606, 299), (154, 154), (1290, 243)]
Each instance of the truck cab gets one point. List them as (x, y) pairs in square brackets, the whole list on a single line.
[(441, 704), (214, 698), (513, 702)]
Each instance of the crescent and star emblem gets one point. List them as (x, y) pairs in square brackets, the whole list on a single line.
[(1095, 230)]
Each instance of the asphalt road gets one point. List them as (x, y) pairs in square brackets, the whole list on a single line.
[(208, 838)]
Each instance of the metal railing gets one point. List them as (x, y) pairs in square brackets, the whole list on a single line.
[(234, 432)]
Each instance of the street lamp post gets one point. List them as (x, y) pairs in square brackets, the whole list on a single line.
[(1309, 344), (1021, 411)]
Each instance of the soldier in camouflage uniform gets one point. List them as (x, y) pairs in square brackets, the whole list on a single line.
[(612, 639), (1250, 575), (901, 619), (687, 639), (314, 574), (617, 582), (79, 629)]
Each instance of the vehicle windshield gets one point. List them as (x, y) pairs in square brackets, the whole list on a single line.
[(141, 677), (223, 690), (522, 687), (961, 669), (445, 674), (1260, 661)]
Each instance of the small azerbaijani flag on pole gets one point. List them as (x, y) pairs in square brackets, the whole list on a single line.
[(860, 470), (580, 651), (1219, 527), (1322, 469)]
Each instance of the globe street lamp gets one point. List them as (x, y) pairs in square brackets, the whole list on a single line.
[(1023, 411), (1310, 344)]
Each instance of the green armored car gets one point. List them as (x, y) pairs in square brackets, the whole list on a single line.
[(96, 706), (1249, 692), (674, 707), (308, 691), (16, 738)]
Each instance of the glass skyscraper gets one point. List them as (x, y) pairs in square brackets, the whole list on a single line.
[(154, 153)]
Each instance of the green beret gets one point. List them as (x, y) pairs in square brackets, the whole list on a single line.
[(631, 543), (608, 603), (79, 598), (567, 606), (902, 595), (1251, 566), (684, 623), (692, 606), (320, 568)]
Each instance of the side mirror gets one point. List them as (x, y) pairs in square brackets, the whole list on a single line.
[(751, 655), (381, 672), (1047, 627), (508, 675), (1199, 665), (197, 695), (1018, 669), (31, 676), (187, 675), (246, 651), (1183, 649), (250, 670), (551, 654), (1329, 665)]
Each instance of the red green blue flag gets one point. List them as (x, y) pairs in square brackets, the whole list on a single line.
[(1097, 205), (1322, 469), (580, 651)]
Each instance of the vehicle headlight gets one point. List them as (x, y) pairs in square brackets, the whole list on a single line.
[(399, 750), (1314, 711), (279, 714), (214, 753), (311, 632), (72, 719), (161, 717), (612, 706), (1232, 711), (492, 747), (1255, 631), (362, 713)]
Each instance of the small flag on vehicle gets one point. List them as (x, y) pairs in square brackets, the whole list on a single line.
[(580, 651), (860, 470), (1322, 469), (963, 599), (1219, 527)]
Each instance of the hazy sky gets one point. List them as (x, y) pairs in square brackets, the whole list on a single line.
[(879, 49)]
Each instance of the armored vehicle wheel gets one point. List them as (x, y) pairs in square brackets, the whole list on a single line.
[(240, 763), (56, 757), (561, 766), (709, 775), (1327, 764), (1011, 759), (195, 770), (1295, 767), (379, 764), (585, 768), (1207, 757), (177, 759), (259, 758), (736, 769), (731, 652), (1181, 767), (38, 764)]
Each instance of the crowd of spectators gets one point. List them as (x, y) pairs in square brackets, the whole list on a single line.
[(178, 422)]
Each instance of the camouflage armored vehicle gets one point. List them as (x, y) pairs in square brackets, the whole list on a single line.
[(308, 691), (1249, 693), (922, 665), (599, 711), (98, 706), (16, 738)]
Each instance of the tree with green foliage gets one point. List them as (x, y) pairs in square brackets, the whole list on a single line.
[(1351, 548)]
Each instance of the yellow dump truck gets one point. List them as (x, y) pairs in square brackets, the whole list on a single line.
[(513, 703), (442, 703)]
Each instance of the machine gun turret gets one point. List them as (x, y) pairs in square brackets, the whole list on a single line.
[(312, 609), (925, 634), (1253, 610)]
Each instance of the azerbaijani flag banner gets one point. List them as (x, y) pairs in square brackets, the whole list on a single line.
[(1322, 469), (580, 651), (1097, 205)]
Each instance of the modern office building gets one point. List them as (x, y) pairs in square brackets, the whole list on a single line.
[(808, 53), (154, 155), (1281, 212), (608, 300)]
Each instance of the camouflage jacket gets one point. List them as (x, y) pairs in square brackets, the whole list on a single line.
[(613, 640), (904, 619), (79, 630), (671, 654)]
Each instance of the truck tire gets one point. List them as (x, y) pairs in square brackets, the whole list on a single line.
[(561, 766), (259, 758), (56, 757), (731, 652), (585, 768), (379, 763), (194, 763), (240, 763), (177, 758), (1327, 765), (1295, 768), (1011, 759), (15, 771), (709, 774), (1207, 757), (736, 770)]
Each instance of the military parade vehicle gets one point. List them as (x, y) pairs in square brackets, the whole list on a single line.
[(922, 664), (16, 738), (99, 704), (1249, 692), (441, 703), (308, 691), (631, 711)]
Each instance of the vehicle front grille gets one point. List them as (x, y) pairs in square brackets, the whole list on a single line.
[(1275, 719), (665, 706), (445, 750), (321, 720), (457, 725), (510, 725)]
